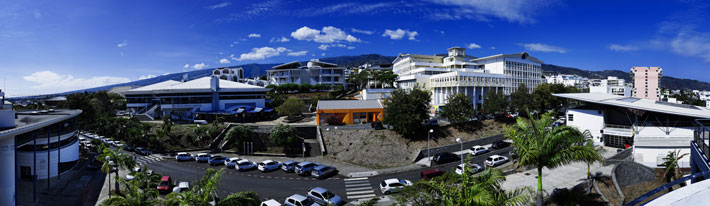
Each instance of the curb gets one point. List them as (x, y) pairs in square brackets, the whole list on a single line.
[(363, 174)]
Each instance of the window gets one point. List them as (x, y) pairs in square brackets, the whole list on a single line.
[(570, 117)]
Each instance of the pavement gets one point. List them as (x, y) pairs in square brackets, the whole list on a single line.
[(78, 186)]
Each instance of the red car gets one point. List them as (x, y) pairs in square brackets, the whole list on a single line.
[(430, 173), (166, 184)]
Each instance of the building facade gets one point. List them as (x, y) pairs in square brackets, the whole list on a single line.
[(647, 82), (314, 73), (610, 85), (568, 80), (458, 73), (349, 111)]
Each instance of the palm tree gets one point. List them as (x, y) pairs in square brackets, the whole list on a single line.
[(483, 189), (202, 192), (672, 171), (540, 145), (241, 199), (589, 160), (136, 196), (120, 161)]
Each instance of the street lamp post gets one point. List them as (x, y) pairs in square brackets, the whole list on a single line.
[(428, 138), (463, 167), (108, 159)]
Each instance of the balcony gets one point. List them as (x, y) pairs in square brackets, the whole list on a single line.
[(617, 130)]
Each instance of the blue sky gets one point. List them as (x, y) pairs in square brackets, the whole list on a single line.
[(54, 46)]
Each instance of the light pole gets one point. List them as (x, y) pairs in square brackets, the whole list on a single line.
[(108, 160), (428, 138), (463, 167)]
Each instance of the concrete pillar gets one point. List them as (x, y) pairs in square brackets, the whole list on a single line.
[(7, 171)]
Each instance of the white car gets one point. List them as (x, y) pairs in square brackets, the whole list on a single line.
[(390, 186), (269, 165), (130, 177), (117, 143), (245, 164), (475, 167), (478, 149), (181, 187), (232, 162), (495, 160), (270, 202)]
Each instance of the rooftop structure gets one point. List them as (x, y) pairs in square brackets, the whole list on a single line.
[(315, 72)]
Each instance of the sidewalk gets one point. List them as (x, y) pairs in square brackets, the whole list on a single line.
[(110, 182), (566, 176)]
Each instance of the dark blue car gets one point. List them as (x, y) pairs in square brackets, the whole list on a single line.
[(216, 160)]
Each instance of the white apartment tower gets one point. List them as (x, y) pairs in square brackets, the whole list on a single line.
[(458, 73)]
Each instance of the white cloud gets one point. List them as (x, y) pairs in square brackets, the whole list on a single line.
[(146, 77), (224, 61), (543, 48), (122, 44), (323, 47), (253, 35), (399, 33), (186, 66), (328, 34), (351, 47), (201, 65), (618, 47), (322, 54), (354, 30), (276, 39), (493, 48), (260, 53), (326, 46), (52, 81), (298, 53), (693, 44), (220, 5), (473, 46), (521, 11)]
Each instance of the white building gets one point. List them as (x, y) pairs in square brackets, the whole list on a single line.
[(459, 73), (610, 85), (651, 128), (231, 74), (371, 93), (568, 80), (314, 73)]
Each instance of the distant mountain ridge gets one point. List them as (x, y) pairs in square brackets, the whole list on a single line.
[(253, 70)]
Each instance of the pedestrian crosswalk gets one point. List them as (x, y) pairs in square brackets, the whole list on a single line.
[(358, 189), (148, 159)]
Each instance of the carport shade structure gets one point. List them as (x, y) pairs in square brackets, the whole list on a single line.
[(349, 111)]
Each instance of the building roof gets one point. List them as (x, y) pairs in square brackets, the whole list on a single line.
[(693, 194), (289, 65), (28, 121), (349, 104), (640, 104), (523, 55), (155, 86), (197, 85)]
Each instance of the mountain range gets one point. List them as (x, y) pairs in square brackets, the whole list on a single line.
[(253, 70)]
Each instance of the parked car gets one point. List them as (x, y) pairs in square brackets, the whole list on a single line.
[(243, 165), (393, 185), (324, 197), (166, 185), (299, 200), (500, 144), (433, 122), (289, 166), (478, 149), (117, 143), (129, 148), (322, 172), (474, 167), (232, 162), (495, 160), (377, 125), (203, 157), (181, 187), (430, 173), (270, 202), (184, 156), (304, 168), (445, 157), (268, 165), (142, 151), (216, 160)]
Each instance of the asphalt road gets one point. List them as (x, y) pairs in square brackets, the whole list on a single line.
[(278, 185)]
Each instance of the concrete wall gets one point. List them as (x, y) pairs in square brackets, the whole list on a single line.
[(629, 173), (652, 157), (584, 119)]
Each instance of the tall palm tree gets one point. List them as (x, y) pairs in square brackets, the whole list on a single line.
[(241, 199), (136, 196), (465, 190), (202, 193), (672, 171), (540, 145), (120, 161)]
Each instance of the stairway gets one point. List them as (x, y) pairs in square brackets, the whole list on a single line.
[(218, 143), (148, 114)]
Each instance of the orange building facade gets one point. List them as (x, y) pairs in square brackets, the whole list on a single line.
[(349, 112)]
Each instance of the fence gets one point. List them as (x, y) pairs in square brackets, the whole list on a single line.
[(456, 147)]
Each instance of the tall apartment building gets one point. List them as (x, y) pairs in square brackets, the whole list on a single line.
[(647, 81), (610, 85), (314, 73), (458, 73)]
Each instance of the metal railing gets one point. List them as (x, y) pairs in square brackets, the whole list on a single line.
[(702, 135), (664, 187), (617, 126)]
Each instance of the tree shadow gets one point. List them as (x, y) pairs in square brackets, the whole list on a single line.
[(577, 195)]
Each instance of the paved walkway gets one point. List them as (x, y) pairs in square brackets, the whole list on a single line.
[(566, 176), (78, 186)]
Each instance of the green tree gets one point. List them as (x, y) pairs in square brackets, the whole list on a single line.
[(241, 199), (237, 135), (277, 98), (406, 110), (672, 171), (520, 99), (494, 102), (305, 88), (283, 135), (120, 161), (543, 101), (136, 196), (202, 192), (291, 107), (540, 145), (458, 110)]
